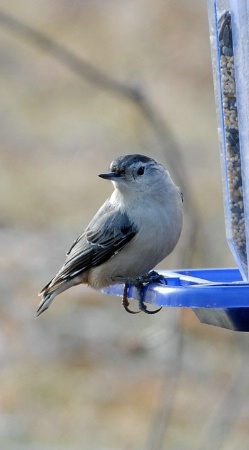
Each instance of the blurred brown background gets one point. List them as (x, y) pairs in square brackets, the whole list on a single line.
[(86, 375)]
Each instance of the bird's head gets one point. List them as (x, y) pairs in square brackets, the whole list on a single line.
[(137, 173)]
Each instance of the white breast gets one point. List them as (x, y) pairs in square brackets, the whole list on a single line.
[(159, 228)]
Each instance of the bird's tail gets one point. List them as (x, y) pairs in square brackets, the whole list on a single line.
[(50, 291), (45, 302)]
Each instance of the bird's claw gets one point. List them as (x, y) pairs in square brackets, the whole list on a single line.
[(143, 308), (142, 305), (126, 302), (139, 283)]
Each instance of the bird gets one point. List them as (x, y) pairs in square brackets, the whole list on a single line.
[(136, 228)]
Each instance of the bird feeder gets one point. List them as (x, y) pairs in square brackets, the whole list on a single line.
[(221, 296), (230, 55)]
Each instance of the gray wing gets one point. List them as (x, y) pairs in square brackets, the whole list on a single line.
[(108, 232)]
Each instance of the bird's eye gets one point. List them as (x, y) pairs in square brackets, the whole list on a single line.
[(121, 172), (140, 171)]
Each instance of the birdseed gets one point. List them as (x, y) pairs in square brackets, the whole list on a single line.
[(232, 144)]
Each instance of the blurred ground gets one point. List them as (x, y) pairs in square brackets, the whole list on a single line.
[(86, 374)]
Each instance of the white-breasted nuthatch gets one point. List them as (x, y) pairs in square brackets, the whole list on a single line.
[(137, 227)]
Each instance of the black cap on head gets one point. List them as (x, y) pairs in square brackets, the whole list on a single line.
[(125, 161)]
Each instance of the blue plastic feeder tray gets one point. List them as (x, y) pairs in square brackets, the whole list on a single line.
[(217, 296)]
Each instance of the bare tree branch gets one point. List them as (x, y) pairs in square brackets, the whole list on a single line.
[(170, 151), (101, 80), (85, 70)]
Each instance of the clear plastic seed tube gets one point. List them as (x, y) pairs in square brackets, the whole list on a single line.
[(229, 33)]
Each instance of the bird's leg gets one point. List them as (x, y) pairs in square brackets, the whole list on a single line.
[(125, 301), (151, 277), (139, 284), (142, 306)]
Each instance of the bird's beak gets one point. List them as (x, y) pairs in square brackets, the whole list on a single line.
[(113, 176)]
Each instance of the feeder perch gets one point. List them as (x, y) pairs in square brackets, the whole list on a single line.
[(220, 297)]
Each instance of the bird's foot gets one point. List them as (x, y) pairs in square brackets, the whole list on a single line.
[(151, 277)]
